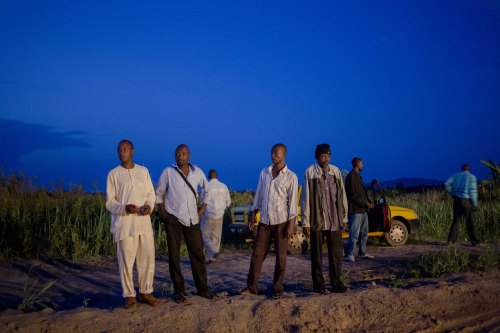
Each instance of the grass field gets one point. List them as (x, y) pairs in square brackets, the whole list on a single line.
[(75, 225)]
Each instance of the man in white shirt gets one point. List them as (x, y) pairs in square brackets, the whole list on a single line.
[(276, 199), (177, 202), (130, 197), (214, 204)]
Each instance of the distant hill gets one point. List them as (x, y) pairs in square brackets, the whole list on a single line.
[(412, 182)]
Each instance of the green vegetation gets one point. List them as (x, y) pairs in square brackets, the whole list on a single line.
[(34, 299), (67, 224), (434, 208), (454, 259), (75, 225)]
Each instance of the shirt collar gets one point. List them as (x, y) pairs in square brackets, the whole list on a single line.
[(191, 166), (319, 171), (284, 170)]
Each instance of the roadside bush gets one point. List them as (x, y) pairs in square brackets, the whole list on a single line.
[(454, 259)]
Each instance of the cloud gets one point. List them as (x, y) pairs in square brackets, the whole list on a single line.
[(20, 138)]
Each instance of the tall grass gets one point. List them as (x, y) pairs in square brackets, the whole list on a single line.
[(75, 225), (435, 210), (67, 224)]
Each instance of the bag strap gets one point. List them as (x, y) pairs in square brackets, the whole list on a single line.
[(188, 183)]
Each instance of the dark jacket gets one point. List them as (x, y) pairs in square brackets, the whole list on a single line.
[(357, 196), (311, 200)]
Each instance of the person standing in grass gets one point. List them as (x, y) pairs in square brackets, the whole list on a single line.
[(215, 201), (462, 186), (177, 201), (276, 199), (359, 204), (130, 198), (324, 211)]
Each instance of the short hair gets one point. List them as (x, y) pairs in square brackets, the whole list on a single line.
[(126, 142), (278, 145), (182, 145), (465, 167), (211, 172), (355, 161)]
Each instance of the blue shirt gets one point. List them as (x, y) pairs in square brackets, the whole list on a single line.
[(463, 185)]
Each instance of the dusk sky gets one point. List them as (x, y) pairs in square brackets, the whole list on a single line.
[(412, 87)]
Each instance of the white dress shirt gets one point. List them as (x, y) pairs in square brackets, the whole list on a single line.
[(124, 187), (176, 195), (216, 198), (276, 198)]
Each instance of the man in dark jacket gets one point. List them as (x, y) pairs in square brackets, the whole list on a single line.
[(359, 204), (324, 212)]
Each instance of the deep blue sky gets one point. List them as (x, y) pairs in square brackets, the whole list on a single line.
[(413, 87)]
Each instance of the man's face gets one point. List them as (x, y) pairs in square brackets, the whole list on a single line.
[(125, 152), (182, 156), (323, 160), (360, 165), (278, 155)]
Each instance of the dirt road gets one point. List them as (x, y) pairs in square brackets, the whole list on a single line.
[(381, 298)]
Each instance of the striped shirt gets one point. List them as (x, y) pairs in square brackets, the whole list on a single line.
[(276, 198), (463, 185)]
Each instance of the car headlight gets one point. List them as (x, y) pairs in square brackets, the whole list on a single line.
[(415, 214)]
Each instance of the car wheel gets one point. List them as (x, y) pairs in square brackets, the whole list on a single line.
[(397, 235), (296, 242)]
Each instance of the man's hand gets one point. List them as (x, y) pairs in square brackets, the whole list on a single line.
[(344, 228), (201, 210), (131, 209), (306, 231), (475, 208), (145, 210), (290, 229), (251, 222), (370, 205), (163, 212)]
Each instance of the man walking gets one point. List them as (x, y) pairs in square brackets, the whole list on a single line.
[(359, 204), (276, 199), (462, 186), (177, 202), (130, 197), (324, 211), (214, 204)]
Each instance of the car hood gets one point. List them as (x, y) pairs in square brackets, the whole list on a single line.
[(406, 212)]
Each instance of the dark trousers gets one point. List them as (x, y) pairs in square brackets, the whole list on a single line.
[(261, 247), (194, 243), (335, 253), (463, 208)]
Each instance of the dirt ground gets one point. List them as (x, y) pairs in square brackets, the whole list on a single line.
[(381, 299)]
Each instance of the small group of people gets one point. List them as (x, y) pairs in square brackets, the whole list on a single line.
[(327, 205), (131, 198)]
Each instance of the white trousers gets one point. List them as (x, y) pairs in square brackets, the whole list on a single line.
[(138, 249), (211, 229)]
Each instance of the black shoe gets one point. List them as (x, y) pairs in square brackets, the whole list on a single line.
[(340, 289), (209, 296), (180, 298), (323, 291), (248, 291)]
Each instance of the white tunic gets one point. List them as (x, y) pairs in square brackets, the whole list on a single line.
[(129, 186)]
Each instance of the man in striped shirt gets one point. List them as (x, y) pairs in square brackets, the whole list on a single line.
[(276, 199), (462, 186)]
